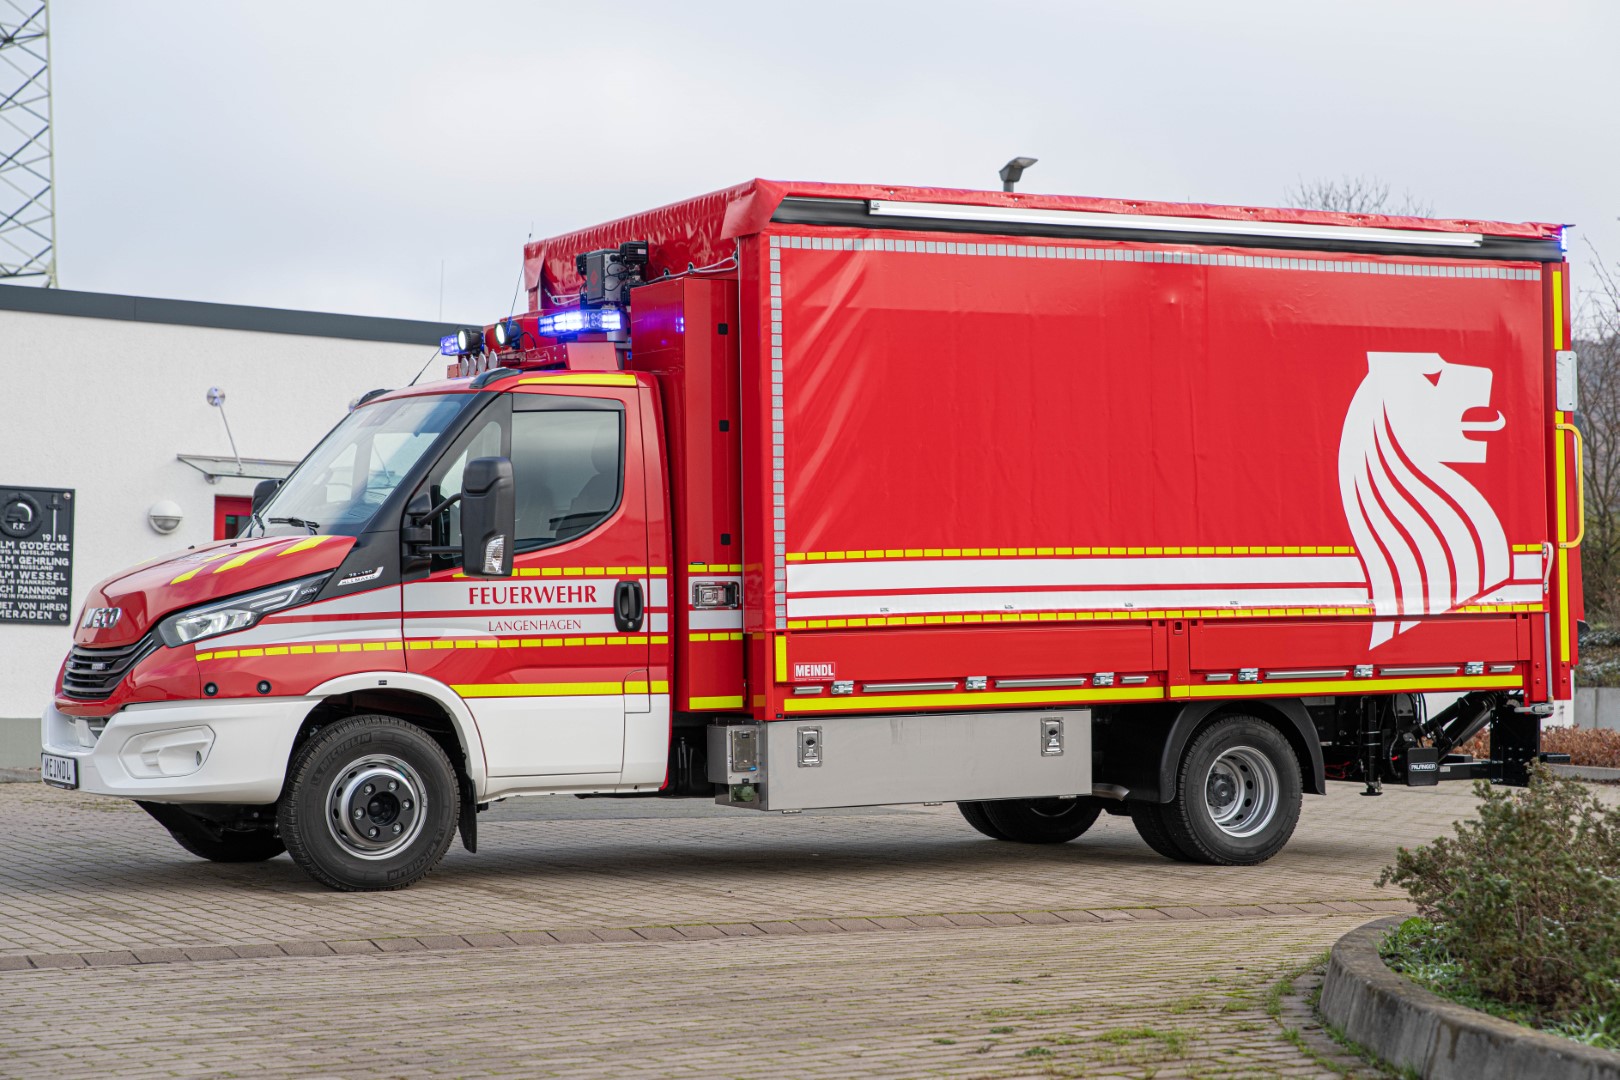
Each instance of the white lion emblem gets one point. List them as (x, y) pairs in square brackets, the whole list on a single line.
[(1427, 538)]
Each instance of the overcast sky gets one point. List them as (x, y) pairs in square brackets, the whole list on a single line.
[(334, 155)]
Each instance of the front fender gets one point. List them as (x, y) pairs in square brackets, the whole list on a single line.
[(472, 743)]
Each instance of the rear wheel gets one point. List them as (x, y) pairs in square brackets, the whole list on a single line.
[(974, 813), (371, 803), (1043, 821), (1148, 817), (1237, 794)]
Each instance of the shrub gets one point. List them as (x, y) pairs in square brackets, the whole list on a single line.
[(1585, 746), (1526, 897)]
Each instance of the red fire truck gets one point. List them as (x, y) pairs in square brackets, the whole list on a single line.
[(804, 495)]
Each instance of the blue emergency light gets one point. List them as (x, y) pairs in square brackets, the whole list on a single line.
[(580, 321)]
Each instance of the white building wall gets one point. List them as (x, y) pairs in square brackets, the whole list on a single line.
[(103, 406)]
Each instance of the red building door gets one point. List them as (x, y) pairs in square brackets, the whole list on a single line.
[(231, 515)]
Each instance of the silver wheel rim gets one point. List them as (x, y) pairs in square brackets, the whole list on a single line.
[(376, 807), (1242, 791)]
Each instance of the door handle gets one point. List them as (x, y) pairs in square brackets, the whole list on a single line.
[(1580, 488), (629, 605)]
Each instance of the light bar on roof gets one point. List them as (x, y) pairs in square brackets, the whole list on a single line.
[(1018, 215), (580, 321)]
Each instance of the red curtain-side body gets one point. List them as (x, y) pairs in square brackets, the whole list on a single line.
[(976, 470)]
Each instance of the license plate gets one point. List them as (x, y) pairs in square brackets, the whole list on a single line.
[(59, 771)]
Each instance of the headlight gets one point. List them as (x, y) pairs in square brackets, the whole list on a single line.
[(239, 612)]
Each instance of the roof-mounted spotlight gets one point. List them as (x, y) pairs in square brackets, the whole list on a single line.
[(470, 340), (1013, 171), (508, 334), (635, 253)]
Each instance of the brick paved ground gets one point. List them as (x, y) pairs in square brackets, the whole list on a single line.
[(613, 938)]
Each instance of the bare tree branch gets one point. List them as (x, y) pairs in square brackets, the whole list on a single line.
[(1597, 341), (1355, 195)]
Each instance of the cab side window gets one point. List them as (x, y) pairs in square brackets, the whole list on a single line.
[(569, 469), (483, 439)]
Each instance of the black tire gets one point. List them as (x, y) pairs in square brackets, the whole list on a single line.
[(211, 841), (975, 814), (1148, 817), (371, 803), (1237, 794), (233, 847), (1043, 821)]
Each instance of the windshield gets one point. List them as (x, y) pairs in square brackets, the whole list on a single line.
[(340, 485)]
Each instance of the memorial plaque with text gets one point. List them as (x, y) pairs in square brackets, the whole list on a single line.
[(36, 556)]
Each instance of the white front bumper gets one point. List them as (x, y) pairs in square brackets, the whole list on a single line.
[(183, 751)]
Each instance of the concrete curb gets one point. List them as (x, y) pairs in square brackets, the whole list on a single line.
[(1588, 772), (1408, 1027), (961, 920)]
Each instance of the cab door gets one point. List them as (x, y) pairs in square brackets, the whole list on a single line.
[(550, 659)]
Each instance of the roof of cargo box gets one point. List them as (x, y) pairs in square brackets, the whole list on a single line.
[(699, 232)]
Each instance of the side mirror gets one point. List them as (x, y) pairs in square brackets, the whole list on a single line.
[(488, 517), (262, 492)]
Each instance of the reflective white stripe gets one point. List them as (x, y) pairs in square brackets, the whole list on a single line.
[(714, 620), (1164, 223), (497, 623), (296, 633), (1512, 594), (384, 601), (1067, 600), (657, 591), (504, 623), (1023, 573), (552, 594), (1527, 567)]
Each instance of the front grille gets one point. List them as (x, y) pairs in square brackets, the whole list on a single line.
[(93, 674)]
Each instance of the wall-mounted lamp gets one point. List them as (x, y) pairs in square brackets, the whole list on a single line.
[(165, 516)]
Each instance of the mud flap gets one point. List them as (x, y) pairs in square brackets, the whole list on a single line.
[(469, 816)]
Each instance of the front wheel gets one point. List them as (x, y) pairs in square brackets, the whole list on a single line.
[(371, 803), (1237, 794), (1043, 821), (213, 841)]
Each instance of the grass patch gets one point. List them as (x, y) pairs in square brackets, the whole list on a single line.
[(1173, 1040), (1284, 986)]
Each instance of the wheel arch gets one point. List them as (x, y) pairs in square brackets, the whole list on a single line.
[(1288, 715), (414, 698)]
